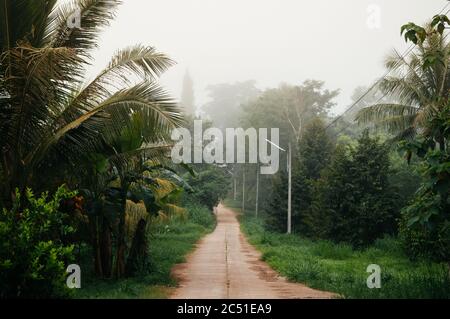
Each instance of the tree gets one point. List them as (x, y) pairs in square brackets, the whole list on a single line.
[(314, 151), (52, 117), (289, 108), (225, 102), (187, 95), (209, 186), (277, 210), (315, 148), (421, 85), (355, 194), (425, 222)]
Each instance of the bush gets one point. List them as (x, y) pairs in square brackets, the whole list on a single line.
[(33, 252), (201, 215), (209, 187), (426, 241)]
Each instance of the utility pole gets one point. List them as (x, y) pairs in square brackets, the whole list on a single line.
[(257, 190), (243, 194), (289, 217)]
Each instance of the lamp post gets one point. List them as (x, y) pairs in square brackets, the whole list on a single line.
[(289, 220), (243, 193), (257, 190)]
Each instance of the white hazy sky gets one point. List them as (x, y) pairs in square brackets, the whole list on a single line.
[(270, 41)]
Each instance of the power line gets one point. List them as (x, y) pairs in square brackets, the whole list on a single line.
[(402, 56), (368, 90)]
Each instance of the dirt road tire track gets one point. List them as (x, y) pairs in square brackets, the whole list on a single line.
[(225, 266)]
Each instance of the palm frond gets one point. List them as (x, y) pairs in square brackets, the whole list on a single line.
[(94, 15), (111, 116), (31, 25), (406, 90), (138, 62), (382, 112), (395, 124), (36, 89)]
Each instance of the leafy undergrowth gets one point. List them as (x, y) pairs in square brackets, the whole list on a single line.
[(340, 269), (169, 243)]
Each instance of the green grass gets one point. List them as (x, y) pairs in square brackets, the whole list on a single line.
[(169, 244), (340, 269)]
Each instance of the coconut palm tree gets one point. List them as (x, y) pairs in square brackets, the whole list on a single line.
[(420, 87), (52, 118)]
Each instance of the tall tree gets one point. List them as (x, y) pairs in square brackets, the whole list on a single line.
[(356, 199), (289, 108), (187, 95), (313, 155), (315, 148), (224, 107)]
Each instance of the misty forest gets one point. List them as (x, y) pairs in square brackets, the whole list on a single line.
[(87, 177)]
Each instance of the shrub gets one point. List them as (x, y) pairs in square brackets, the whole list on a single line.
[(425, 222), (426, 241), (33, 249), (201, 215), (208, 187)]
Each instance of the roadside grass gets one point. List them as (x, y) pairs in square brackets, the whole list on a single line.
[(169, 243), (338, 268)]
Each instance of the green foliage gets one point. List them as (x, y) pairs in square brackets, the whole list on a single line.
[(313, 153), (340, 269), (209, 186), (354, 197), (422, 119), (201, 215), (290, 108), (315, 148), (34, 252), (425, 226), (413, 33), (277, 211), (418, 89), (404, 178), (57, 119), (417, 34), (169, 242)]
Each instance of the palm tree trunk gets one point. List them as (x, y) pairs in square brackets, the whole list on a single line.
[(95, 238), (138, 251), (119, 269), (106, 249)]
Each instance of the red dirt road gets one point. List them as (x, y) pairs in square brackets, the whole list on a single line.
[(226, 266)]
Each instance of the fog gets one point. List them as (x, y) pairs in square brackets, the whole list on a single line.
[(271, 41)]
